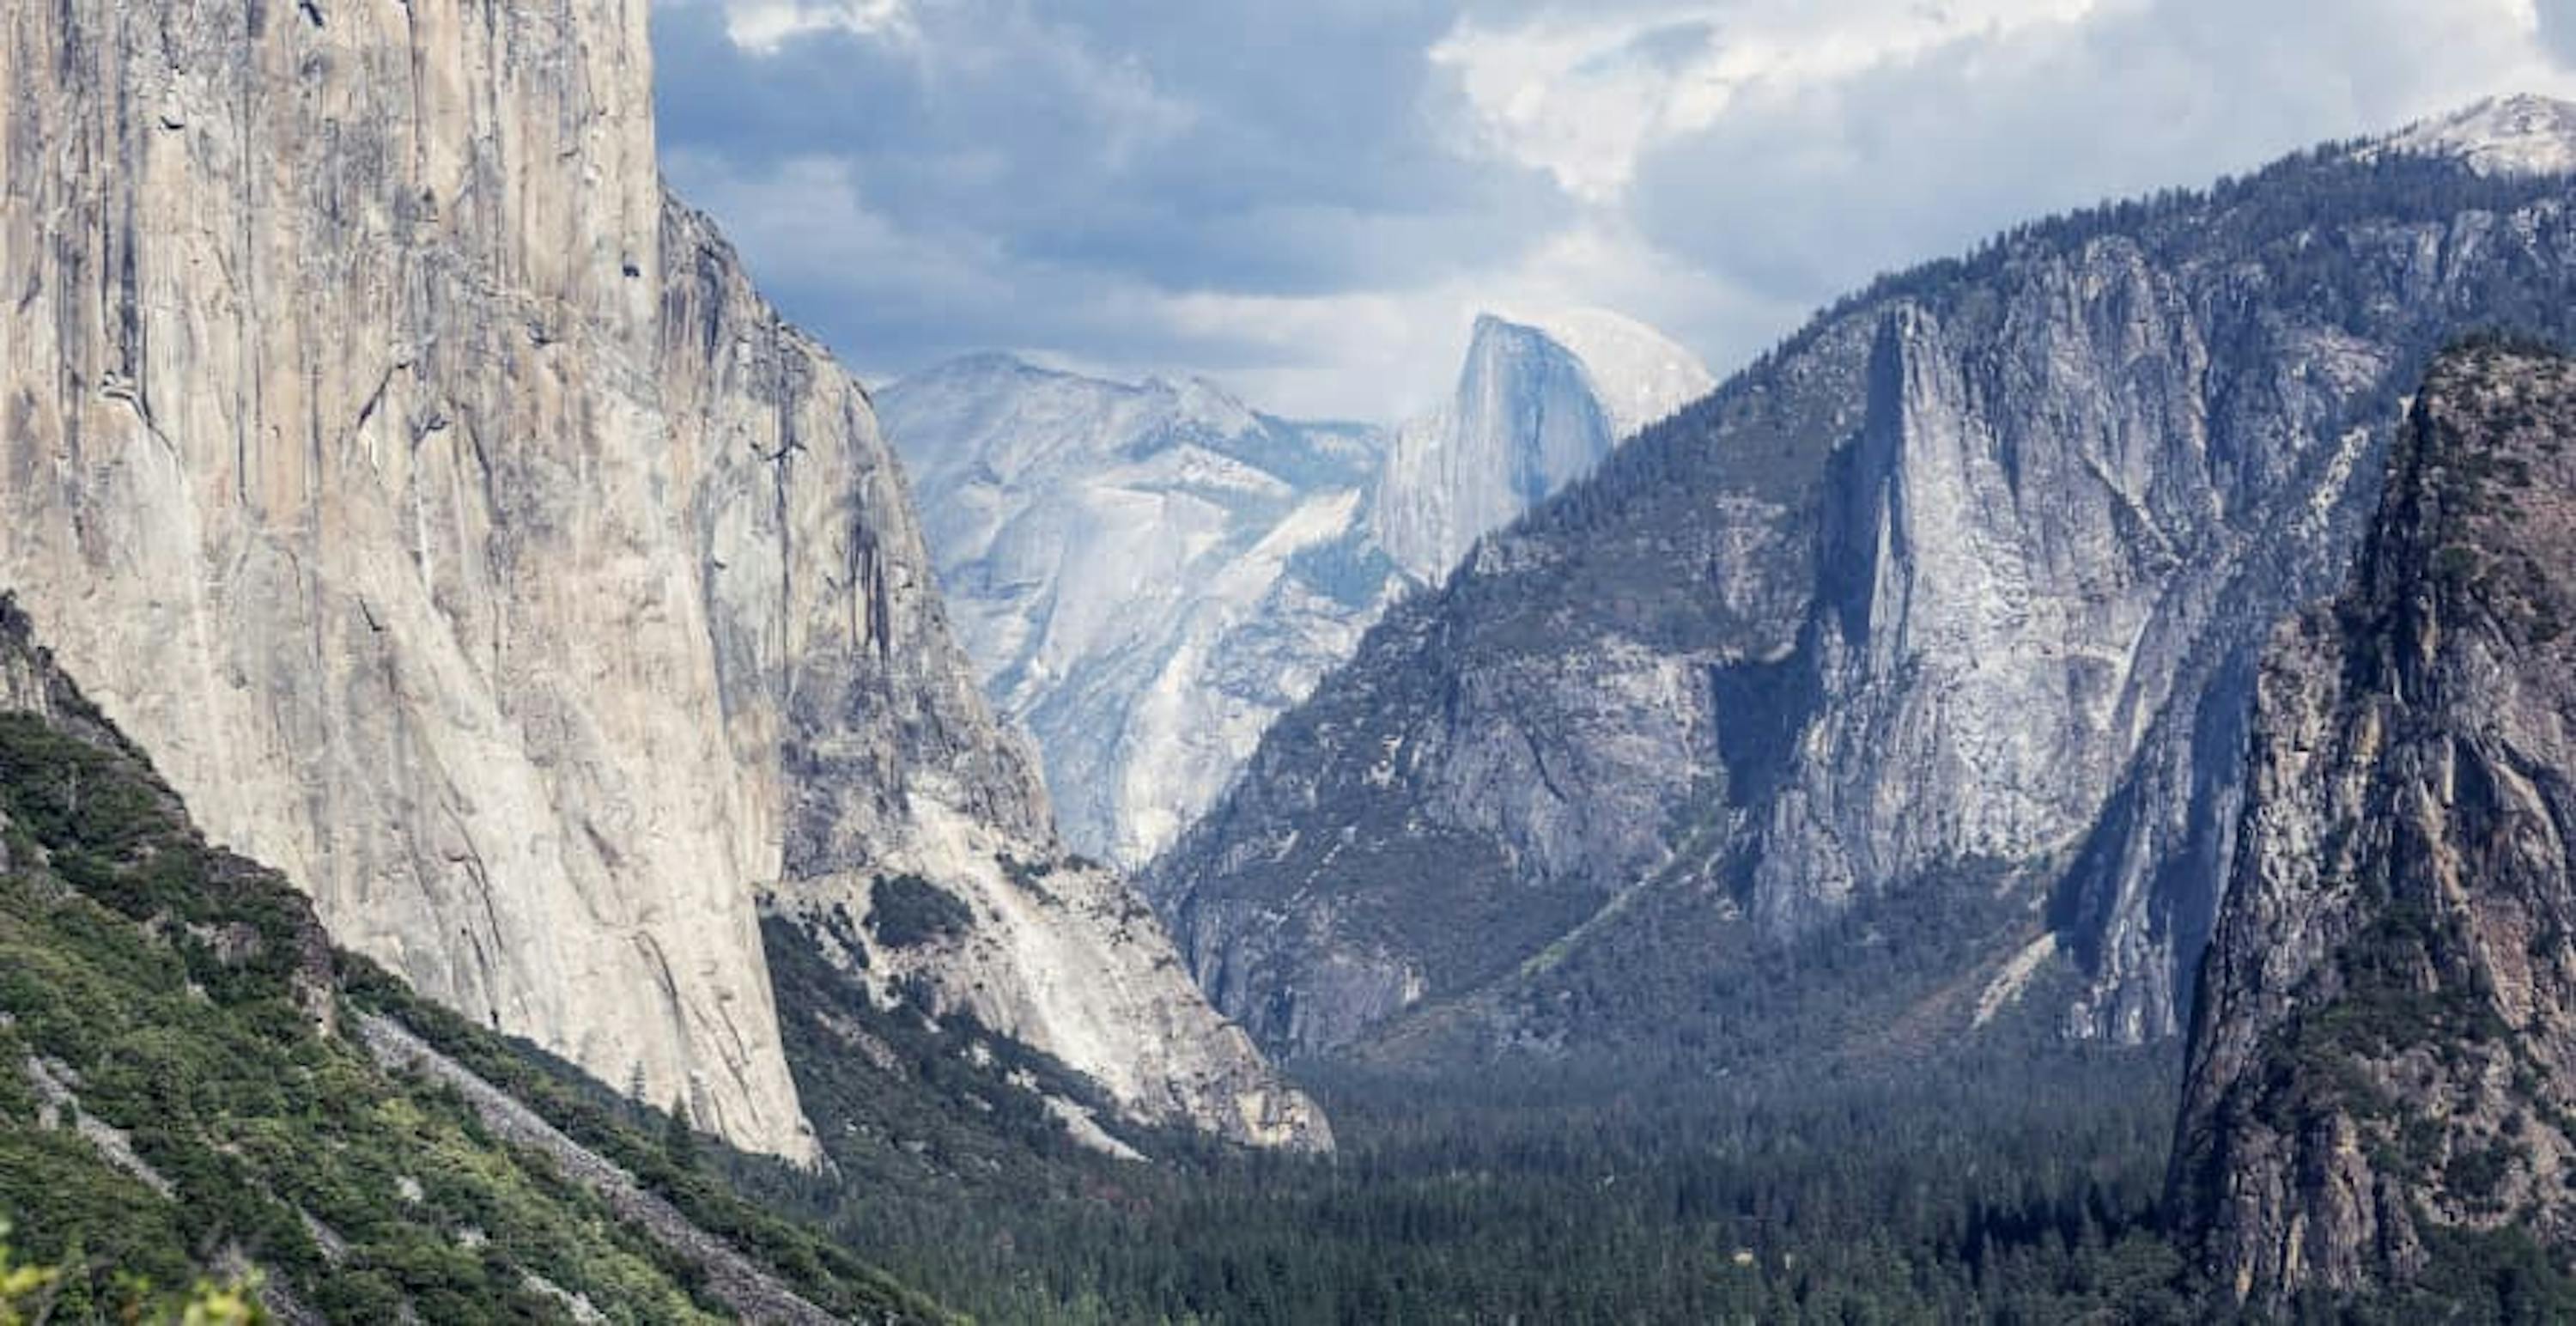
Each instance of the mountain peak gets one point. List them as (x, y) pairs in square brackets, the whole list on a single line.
[(1641, 375), (2523, 134), (981, 365), (1197, 401)]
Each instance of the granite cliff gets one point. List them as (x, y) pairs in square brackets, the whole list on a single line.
[(2383, 1065), (1954, 598), (435, 498), (1540, 402)]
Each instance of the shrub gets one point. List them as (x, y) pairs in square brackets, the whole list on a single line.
[(907, 911)]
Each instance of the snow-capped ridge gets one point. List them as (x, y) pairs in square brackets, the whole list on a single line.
[(1200, 403), (2522, 134)]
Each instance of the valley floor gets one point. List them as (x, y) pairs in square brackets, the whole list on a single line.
[(1999, 1187)]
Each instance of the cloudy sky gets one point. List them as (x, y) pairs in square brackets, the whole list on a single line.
[(1307, 200)]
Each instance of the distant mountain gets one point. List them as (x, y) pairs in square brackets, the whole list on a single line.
[(1145, 574), (2382, 1090), (1909, 672), (1149, 574), (1538, 405)]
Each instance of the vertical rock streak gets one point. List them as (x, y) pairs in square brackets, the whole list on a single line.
[(442, 507)]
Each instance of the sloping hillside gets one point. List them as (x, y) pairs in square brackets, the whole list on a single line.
[(193, 1081)]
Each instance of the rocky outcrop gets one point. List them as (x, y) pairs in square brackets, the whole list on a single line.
[(2385, 1047), (439, 503), (1538, 405), (1966, 581)]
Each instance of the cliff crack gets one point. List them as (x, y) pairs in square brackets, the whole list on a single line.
[(119, 388)]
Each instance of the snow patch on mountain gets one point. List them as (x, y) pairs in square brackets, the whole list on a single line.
[(2517, 135)]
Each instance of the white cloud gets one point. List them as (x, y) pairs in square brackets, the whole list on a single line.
[(1311, 209), (1583, 95), (1921, 157), (1391, 354), (764, 26)]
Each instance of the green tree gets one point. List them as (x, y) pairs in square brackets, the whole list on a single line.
[(73, 1300), (679, 1139)]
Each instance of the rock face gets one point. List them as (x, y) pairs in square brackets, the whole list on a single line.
[(160, 992), (439, 503), (2385, 1048), (1531, 414), (1149, 575), (1965, 580)]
